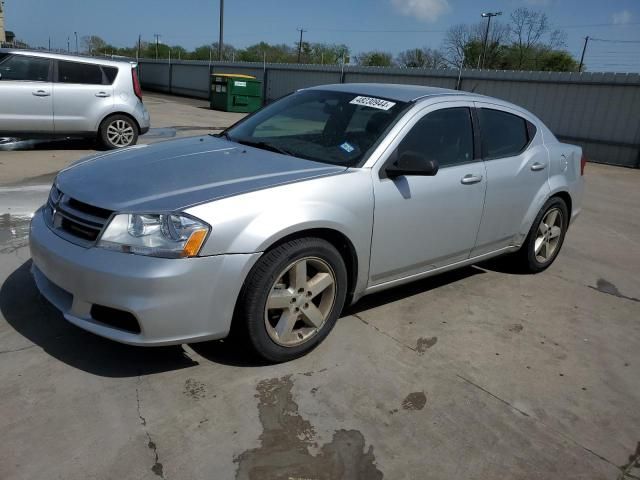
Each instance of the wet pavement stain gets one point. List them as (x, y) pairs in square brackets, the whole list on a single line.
[(609, 288), (516, 328), (14, 232), (414, 401), (286, 438), (424, 343), (629, 469), (194, 389)]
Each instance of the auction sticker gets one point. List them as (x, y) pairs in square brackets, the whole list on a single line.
[(372, 102)]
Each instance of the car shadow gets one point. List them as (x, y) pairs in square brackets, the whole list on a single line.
[(38, 321), (21, 144), (410, 289)]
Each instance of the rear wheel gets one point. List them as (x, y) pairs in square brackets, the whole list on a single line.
[(546, 236), (118, 131), (292, 298)]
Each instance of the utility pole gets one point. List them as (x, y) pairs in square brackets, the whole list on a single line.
[(488, 16), (221, 38), (584, 50), (138, 49), (76, 34), (68, 45), (157, 35), (49, 43), (301, 30)]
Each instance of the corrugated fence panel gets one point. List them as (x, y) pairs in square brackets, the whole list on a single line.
[(599, 111), (283, 81)]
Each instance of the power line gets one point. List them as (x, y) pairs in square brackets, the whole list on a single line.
[(614, 40)]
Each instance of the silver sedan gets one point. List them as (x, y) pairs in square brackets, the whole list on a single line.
[(324, 196)]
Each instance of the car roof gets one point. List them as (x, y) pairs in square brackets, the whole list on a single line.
[(70, 57), (391, 91)]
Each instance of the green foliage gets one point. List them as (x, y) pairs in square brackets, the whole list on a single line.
[(374, 59)]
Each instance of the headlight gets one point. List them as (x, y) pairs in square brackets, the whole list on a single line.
[(156, 235)]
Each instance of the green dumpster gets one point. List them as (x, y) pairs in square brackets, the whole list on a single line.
[(235, 93)]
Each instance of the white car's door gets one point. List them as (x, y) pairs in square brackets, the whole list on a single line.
[(517, 164), (26, 104), (425, 222)]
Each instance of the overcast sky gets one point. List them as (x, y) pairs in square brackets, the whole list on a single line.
[(391, 25)]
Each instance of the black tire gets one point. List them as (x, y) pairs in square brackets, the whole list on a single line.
[(251, 315), (122, 123), (527, 257)]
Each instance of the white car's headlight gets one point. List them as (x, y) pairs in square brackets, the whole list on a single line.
[(156, 235)]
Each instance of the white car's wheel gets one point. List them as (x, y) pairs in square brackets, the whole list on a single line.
[(118, 131)]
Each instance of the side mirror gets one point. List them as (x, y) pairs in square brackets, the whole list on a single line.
[(412, 163)]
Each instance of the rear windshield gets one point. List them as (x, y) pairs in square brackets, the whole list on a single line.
[(327, 126)]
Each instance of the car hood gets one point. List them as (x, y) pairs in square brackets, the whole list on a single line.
[(176, 174)]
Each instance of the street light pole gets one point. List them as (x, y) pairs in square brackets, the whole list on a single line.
[(301, 30), (221, 38), (76, 34), (488, 16)]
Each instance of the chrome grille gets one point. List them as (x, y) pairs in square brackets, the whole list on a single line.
[(74, 220)]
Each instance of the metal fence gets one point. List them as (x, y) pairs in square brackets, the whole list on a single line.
[(599, 111)]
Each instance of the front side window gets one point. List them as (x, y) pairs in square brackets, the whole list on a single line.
[(444, 135), (83, 73), (20, 67), (503, 134), (332, 127)]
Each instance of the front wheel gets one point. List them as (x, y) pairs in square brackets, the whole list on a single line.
[(118, 131), (292, 298), (546, 236)]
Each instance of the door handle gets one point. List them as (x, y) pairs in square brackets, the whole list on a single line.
[(41, 93), (538, 166), (470, 179), (103, 94)]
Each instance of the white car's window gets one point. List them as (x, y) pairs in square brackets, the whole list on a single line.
[(333, 127), (82, 73), (503, 134), (444, 135), (20, 67)]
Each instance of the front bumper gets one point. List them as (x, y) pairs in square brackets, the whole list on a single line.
[(174, 300)]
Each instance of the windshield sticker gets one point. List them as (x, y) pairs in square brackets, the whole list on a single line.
[(240, 84), (373, 102), (347, 147)]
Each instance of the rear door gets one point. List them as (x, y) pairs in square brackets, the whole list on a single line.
[(82, 95), (517, 166), (26, 104)]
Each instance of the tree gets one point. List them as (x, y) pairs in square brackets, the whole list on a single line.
[(466, 42), (374, 59), (421, 58), (93, 43), (528, 30), (274, 53)]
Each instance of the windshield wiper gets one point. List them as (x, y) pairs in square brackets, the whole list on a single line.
[(264, 146)]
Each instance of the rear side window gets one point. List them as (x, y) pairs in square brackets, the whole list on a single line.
[(20, 67), (110, 73), (84, 73), (444, 135), (503, 134)]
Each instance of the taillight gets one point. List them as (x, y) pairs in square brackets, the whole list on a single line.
[(583, 163), (136, 83)]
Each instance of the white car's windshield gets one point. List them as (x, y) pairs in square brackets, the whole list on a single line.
[(332, 127)]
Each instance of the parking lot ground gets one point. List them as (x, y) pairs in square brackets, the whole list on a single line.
[(482, 373)]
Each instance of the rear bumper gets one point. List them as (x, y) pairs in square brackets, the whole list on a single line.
[(174, 300)]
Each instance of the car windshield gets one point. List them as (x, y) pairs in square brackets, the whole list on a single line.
[(327, 126)]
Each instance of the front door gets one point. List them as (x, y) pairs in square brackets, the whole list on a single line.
[(26, 104), (422, 223)]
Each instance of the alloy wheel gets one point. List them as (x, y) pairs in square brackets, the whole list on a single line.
[(548, 235), (300, 301), (120, 133)]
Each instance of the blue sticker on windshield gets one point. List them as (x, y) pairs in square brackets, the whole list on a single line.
[(347, 147)]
